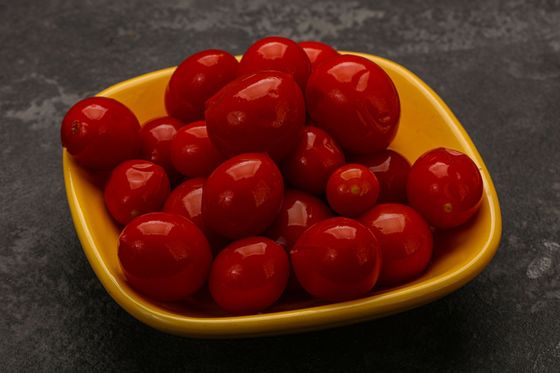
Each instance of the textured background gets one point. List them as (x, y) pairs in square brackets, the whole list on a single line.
[(497, 65)]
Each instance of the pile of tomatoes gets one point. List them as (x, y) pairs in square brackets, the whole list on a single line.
[(270, 175)]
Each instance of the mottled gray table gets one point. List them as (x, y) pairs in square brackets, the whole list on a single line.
[(497, 65)]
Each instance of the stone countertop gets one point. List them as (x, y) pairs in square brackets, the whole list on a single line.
[(497, 65)]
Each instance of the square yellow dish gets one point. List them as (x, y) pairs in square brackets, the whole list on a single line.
[(426, 122)]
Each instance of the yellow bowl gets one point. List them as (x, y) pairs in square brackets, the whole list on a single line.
[(426, 122)]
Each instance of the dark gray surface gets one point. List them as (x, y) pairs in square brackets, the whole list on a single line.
[(497, 65)]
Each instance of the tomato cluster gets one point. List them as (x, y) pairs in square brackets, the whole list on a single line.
[(270, 171)]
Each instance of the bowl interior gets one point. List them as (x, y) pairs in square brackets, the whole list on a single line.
[(459, 255)]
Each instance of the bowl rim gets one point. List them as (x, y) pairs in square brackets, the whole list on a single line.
[(315, 317)]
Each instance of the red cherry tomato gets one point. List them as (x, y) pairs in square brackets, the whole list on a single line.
[(192, 153), (195, 80), (249, 275), (100, 132), (135, 188), (405, 238), (445, 186), (315, 157), (391, 170), (243, 196), (263, 112), (337, 259), (352, 189), (276, 53), (164, 256), (299, 211), (317, 52), (186, 200), (156, 136), (354, 100)]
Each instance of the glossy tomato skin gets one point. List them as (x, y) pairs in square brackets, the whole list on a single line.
[(249, 275), (192, 152), (391, 169), (197, 79), (134, 188), (313, 160), (337, 259), (299, 211), (186, 200), (405, 238), (445, 186), (354, 100), (262, 112), (164, 256), (317, 52), (155, 137), (352, 189), (243, 196), (276, 53), (100, 132)]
